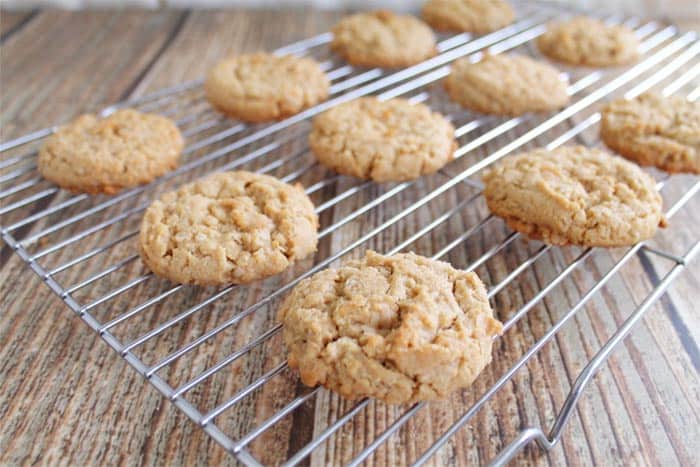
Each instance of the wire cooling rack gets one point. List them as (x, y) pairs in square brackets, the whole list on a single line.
[(217, 354)]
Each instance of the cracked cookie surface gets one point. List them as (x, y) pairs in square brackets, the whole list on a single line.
[(228, 228), (399, 328), (105, 155), (383, 39), (655, 130), (385, 141), (260, 87), (507, 85), (590, 42), (575, 195), (478, 16)]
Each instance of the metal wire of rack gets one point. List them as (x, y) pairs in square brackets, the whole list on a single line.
[(35, 218)]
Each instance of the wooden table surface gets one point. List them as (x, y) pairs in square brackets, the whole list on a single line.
[(67, 399)]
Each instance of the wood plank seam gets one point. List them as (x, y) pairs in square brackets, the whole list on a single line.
[(19, 26), (678, 324), (179, 25)]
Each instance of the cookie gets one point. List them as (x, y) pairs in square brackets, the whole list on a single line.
[(228, 228), (383, 39), (655, 130), (104, 155), (399, 328), (507, 85), (383, 141), (590, 42), (261, 87), (478, 16), (575, 195)]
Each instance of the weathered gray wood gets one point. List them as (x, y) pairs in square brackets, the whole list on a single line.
[(68, 399)]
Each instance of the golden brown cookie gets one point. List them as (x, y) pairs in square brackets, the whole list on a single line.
[(655, 130), (399, 328), (575, 195), (590, 42), (479, 16), (228, 228), (385, 141), (261, 87), (105, 155), (383, 39), (507, 85)]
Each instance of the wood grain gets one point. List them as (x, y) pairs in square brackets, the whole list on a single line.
[(68, 399)]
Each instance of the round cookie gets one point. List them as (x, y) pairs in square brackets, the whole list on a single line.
[(261, 87), (507, 85), (478, 16), (228, 228), (105, 155), (590, 42), (655, 130), (575, 195), (383, 39), (391, 140), (399, 328)]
